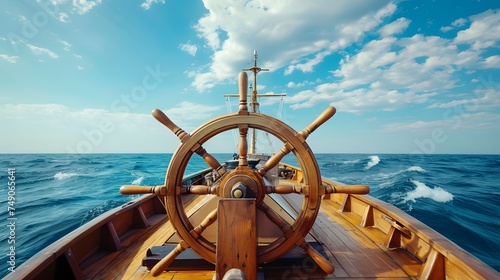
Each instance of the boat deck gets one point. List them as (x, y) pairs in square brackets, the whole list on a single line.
[(344, 241), (362, 237)]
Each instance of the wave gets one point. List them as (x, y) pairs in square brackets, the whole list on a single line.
[(386, 176), (416, 168), (37, 160), (374, 160), (64, 175), (100, 209), (423, 191), (351, 161), (138, 181)]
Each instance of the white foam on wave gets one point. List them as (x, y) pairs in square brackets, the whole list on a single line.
[(423, 191), (351, 161), (374, 160), (63, 175), (416, 169), (387, 176), (138, 181)]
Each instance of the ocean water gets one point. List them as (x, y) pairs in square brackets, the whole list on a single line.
[(457, 195)]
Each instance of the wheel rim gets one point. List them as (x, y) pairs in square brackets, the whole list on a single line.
[(304, 155)]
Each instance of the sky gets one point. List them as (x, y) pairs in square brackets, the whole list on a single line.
[(405, 76)]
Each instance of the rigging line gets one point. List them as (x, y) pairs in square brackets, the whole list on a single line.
[(270, 142), (280, 109), (280, 113)]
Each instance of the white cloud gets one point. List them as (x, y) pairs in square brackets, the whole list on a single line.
[(22, 111), (484, 30), (385, 74), (63, 17), (84, 6), (481, 99), (147, 4), (67, 46), (189, 48), (185, 112), (9, 58), (39, 51), (182, 111), (357, 100), (309, 65), (459, 22), (451, 121), (23, 19), (445, 28), (301, 84), (59, 128), (390, 73), (285, 32), (94, 130), (491, 62), (395, 27)]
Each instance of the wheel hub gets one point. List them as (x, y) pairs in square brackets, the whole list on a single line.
[(242, 183)]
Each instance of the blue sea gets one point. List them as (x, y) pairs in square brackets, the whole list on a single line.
[(457, 195)]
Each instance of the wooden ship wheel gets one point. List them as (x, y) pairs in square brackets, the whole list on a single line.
[(243, 186)]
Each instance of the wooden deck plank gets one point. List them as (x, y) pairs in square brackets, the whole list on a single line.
[(374, 256), (349, 247), (128, 261), (398, 260)]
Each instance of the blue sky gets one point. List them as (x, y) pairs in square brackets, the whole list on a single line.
[(405, 76)]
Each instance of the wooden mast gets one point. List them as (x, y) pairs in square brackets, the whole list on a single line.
[(253, 103)]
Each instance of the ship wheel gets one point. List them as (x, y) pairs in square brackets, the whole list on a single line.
[(242, 182)]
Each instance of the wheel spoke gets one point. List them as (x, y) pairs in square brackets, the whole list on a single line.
[(210, 160), (243, 110), (132, 189), (275, 159), (184, 136), (326, 115), (287, 148), (167, 260), (243, 146), (182, 246), (350, 189), (179, 132), (209, 219), (243, 86), (285, 189), (328, 189), (321, 261), (199, 189), (285, 227)]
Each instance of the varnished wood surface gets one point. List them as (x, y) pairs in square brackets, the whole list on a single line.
[(237, 237), (363, 238), (356, 252), (352, 253)]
